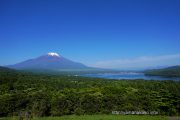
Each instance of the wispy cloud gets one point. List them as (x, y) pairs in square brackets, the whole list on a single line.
[(140, 62)]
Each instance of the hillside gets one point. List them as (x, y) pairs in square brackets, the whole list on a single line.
[(173, 71), (52, 95), (5, 69)]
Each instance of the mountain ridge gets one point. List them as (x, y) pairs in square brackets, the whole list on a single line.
[(172, 71)]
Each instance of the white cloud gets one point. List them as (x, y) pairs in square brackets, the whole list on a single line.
[(140, 62)]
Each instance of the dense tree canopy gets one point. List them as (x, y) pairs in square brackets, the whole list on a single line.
[(45, 95)]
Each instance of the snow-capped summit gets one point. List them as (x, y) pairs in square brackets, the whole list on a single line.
[(53, 54)]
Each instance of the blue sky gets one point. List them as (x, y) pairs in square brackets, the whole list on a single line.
[(103, 33)]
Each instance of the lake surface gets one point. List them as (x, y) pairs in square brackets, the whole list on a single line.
[(130, 75)]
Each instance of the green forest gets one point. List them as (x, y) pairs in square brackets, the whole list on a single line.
[(58, 95), (173, 71)]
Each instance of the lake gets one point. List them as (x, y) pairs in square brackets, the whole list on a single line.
[(129, 75)]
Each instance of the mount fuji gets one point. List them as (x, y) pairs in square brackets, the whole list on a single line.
[(50, 61)]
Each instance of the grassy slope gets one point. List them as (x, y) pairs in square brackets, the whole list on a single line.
[(99, 117)]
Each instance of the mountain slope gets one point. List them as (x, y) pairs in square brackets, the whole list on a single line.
[(51, 61), (173, 71)]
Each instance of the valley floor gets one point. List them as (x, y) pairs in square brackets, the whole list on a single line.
[(101, 117)]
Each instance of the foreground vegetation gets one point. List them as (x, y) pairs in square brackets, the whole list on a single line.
[(47, 95), (98, 117)]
